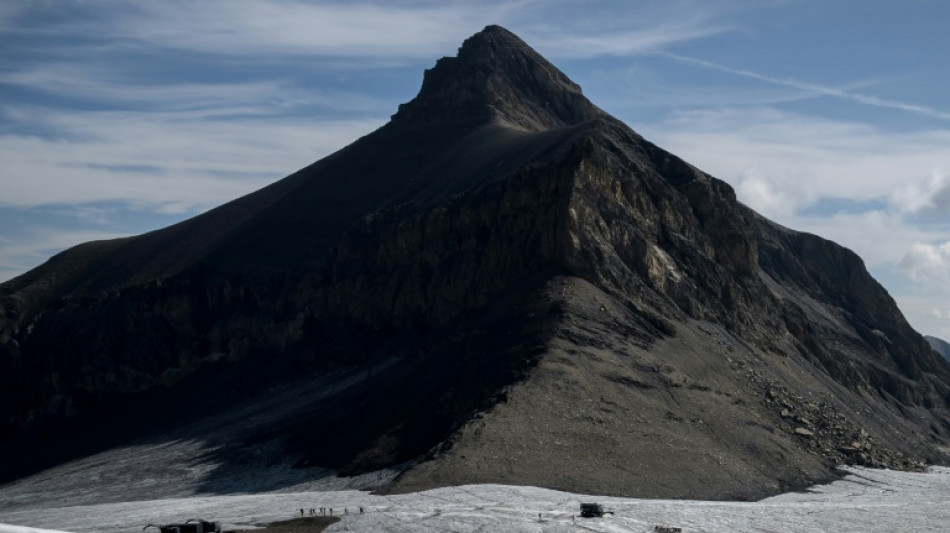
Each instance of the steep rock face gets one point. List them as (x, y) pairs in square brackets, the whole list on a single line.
[(531, 271), (853, 340)]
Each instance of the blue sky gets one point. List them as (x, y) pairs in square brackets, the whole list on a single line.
[(117, 118)]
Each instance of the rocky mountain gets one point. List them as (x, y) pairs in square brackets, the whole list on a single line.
[(529, 293), (939, 345)]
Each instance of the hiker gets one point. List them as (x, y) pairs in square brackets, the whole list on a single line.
[(361, 509), (301, 511)]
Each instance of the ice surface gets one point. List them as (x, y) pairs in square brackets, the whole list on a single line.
[(4, 528), (864, 500)]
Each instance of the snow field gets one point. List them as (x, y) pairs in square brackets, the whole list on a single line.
[(864, 501)]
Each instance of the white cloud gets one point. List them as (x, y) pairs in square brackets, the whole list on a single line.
[(928, 197), (799, 159), (754, 186), (928, 264)]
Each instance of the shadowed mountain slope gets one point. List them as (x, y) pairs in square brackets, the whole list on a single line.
[(558, 302), (939, 345)]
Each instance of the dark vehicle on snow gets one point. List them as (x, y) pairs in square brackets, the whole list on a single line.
[(590, 510), (190, 526)]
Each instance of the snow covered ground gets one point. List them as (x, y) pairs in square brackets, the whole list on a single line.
[(865, 500)]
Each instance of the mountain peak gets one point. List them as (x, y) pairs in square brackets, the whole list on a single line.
[(496, 75), (501, 253)]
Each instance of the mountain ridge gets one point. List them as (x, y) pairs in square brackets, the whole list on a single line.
[(939, 345)]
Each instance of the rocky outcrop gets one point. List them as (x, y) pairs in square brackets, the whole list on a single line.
[(536, 293), (497, 76)]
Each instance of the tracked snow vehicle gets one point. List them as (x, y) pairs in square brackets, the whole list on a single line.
[(192, 525)]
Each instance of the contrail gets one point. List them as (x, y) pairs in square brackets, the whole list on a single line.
[(820, 89)]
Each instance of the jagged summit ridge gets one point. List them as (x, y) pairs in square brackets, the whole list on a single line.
[(496, 75)]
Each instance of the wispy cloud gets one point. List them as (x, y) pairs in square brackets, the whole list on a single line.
[(824, 90), (621, 43), (100, 128), (193, 161), (10, 11), (644, 85), (108, 86), (269, 28)]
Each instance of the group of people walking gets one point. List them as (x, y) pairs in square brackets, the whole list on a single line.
[(324, 511)]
